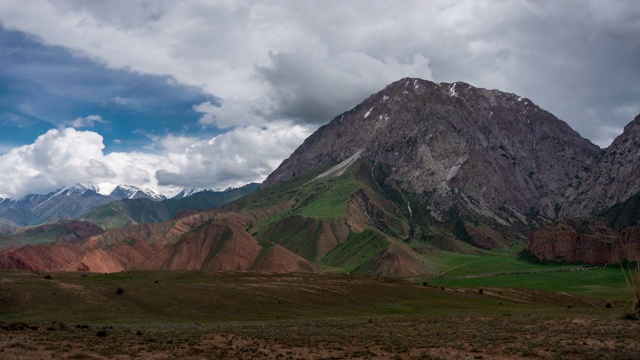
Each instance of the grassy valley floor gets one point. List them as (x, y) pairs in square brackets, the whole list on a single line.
[(165, 315)]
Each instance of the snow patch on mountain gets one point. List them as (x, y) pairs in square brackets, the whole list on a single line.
[(188, 192), (133, 192)]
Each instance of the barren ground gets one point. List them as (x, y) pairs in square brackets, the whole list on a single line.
[(167, 315)]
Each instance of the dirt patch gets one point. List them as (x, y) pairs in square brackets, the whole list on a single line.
[(377, 337)]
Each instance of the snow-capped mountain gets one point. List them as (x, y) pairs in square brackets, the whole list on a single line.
[(132, 192), (77, 189), (67, 202), (77, 200), (188, 192)]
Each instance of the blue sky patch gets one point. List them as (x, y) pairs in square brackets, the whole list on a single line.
[(44, 87)]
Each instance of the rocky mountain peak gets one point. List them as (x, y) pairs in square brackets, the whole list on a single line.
[(78, 188), (190, 191), (485, 148)]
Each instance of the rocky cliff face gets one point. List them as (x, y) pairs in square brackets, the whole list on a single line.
[(498, 154), (608, 186), (612, 177), (584, 240)]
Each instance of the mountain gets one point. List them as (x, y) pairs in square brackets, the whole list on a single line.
[(382, 189), (607, 189), (610, 178), (485, 153), (132, 192), (70, 231), (66, 231), (142, 210), (65, 203), (188, 192), (35, 209)]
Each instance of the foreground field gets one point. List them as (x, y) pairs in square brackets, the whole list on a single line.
[(253, 315)]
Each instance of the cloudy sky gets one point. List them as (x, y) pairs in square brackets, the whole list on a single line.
[(172, 94)]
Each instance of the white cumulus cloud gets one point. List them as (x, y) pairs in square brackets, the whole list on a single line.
[(87, 121), (62, 157), (246, 154)]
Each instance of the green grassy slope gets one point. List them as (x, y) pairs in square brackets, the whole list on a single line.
[(310, 212), (359, 249)]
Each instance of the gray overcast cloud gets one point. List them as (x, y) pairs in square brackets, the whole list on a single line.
[(271, 64)]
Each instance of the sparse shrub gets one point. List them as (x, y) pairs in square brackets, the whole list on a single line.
[(424, 283), (480, 291), (119, 291), (632, 280), (14, 326), (608, 305), (48, 277)]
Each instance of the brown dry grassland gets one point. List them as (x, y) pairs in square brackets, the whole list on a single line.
[(193, 315)]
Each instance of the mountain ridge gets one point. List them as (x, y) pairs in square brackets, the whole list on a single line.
[(71, 202)]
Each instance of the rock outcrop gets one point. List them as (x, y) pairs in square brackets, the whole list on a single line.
[(584, 240)]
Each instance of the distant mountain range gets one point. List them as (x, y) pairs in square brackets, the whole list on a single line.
[(73, 201), (132, 211)]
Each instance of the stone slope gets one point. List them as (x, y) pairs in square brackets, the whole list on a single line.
[(612, 177)]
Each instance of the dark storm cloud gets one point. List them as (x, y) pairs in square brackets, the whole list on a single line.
[(314, 90), (307, 62)]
